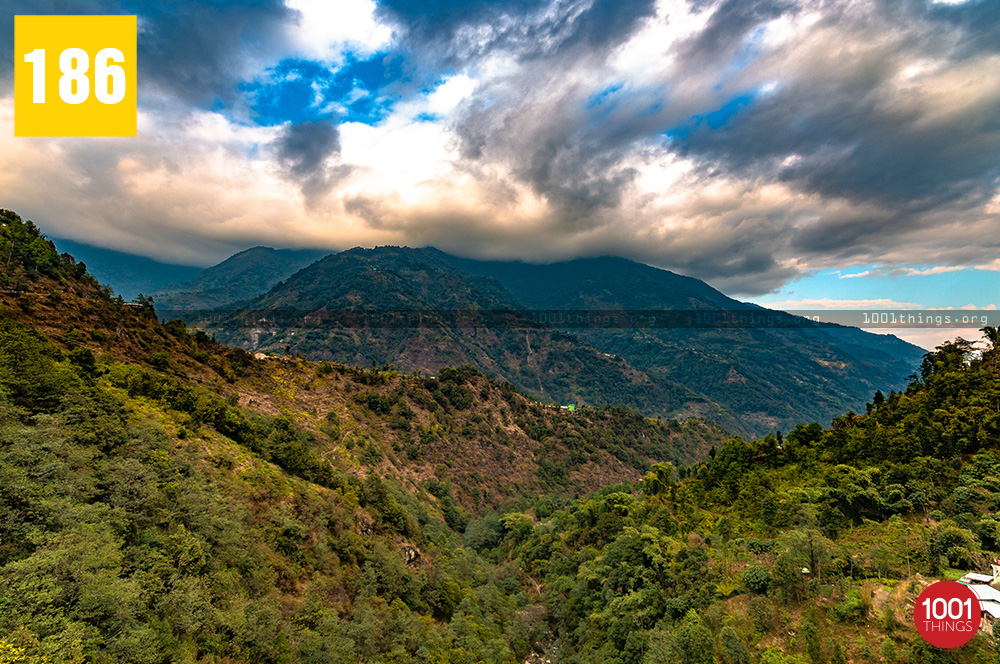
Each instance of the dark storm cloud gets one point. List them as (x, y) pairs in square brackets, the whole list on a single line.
[(848, 146), (200, 51), (569, 148), (731, 21), (303, 148), (196, 51), (850, 134), (604, 23), (579, 173), (845, 234), (524, 27), (977, 20), (438, 20)]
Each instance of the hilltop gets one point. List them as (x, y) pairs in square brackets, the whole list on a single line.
[(239, 277), (750, 381), (168, 498), (218, 505)]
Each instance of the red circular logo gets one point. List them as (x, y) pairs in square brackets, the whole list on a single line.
[(947, 614)]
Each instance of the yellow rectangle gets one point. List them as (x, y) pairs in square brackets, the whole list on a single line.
[(95, 55)]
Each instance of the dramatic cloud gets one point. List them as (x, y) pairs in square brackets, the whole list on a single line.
[(304, 149), (746, 142)]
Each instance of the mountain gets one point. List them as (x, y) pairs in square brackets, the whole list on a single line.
[(239, 277), (54, 298), (598, 283), (551, 365), (164, 498), (773, 377), (129, 275), (751, 381)]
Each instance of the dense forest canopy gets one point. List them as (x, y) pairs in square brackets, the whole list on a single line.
[(166, 499)]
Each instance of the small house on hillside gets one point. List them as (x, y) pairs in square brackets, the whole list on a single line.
[(989, 598), (975, 577)]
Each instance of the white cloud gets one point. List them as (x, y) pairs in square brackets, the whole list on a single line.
[(828, 303), (905, 271), (939, 269), (439, 103), (325, 29)]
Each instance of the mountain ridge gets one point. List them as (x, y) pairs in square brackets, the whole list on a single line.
[(750, 381), (242, 275), (128, 274), (166, 498)]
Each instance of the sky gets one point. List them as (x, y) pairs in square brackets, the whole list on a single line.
[(807, 153)]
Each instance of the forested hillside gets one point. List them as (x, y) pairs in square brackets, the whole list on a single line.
[(765, 379), (810, 547), (164, 498), (548, 364), (749, 381)]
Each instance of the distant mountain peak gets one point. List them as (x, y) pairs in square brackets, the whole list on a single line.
[(241, 276)]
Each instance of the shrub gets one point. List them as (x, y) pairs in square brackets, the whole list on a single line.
[(757, 579)]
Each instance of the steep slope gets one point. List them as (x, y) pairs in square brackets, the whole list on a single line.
[(166, 498), (239, 277), (382, 413), (551, 365), (127, 274), (811, 548), (772, 378)]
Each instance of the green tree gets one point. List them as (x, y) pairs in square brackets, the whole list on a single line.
[(690, 643), (733, 651), (757, 579)]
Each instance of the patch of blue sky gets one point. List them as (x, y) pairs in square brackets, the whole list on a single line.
[(296, 90), (625, 103), (714, 120), (922, 285), (289, 94), (605, 97), (721, 117)]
